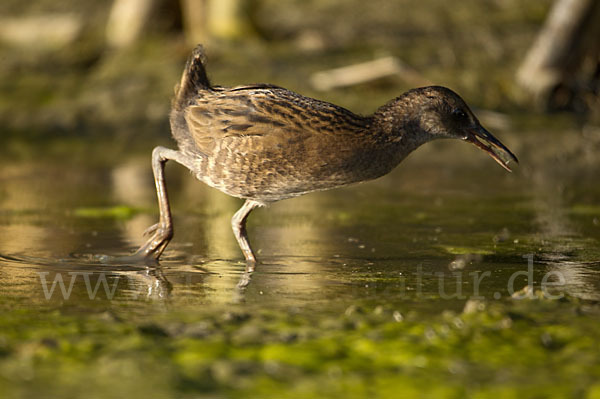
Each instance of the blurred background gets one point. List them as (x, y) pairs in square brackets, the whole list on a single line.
[(106, 68)]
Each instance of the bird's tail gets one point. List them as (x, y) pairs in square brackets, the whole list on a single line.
[(193, 78)]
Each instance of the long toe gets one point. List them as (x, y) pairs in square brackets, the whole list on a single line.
[(156, 244), (150, 230)]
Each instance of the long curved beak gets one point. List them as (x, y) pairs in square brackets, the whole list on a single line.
[(487, 142)]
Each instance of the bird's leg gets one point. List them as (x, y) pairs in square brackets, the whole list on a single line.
[(162, 232), (238, 224)]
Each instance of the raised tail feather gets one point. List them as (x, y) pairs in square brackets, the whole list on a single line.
[(193, 78)]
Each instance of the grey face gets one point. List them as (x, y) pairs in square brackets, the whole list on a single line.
[(445, 115)]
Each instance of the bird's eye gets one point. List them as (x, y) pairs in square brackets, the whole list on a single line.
[(459, 114)]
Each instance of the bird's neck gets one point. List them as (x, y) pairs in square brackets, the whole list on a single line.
[(397, 123)]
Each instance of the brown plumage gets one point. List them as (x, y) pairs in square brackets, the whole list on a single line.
[(264, 143)]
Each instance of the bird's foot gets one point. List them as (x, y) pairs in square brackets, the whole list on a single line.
[(150, 230), (156, 244)]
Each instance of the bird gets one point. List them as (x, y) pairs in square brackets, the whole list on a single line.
[(264, 143)]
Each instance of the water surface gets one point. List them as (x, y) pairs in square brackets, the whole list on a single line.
[(447, 234)]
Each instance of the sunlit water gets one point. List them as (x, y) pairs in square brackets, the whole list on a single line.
[(446, 226)]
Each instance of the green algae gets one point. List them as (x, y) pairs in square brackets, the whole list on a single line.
[(510, 347)]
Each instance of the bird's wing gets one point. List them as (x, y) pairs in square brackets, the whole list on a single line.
[(268, 116)]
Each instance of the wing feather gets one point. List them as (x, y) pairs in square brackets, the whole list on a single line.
[(265, 116)]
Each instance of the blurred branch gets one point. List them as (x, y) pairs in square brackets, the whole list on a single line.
[(194, 20), (127, 21), (568, 39), (50, 31), (223, 19), (365, 72)]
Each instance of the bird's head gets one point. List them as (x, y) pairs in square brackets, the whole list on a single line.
[(438, 112)]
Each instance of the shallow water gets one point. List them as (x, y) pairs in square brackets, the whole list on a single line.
[(440, 222), (445, 229)]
